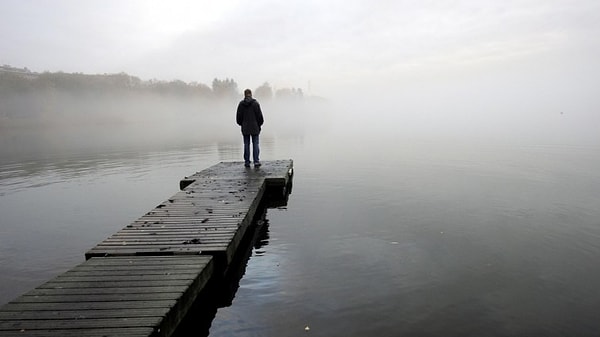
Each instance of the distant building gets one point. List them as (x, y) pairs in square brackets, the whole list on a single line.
[(25, 72)]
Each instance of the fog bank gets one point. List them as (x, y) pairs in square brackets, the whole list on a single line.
[(66, 122)]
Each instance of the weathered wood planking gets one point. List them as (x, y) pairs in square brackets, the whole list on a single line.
[(276, 173), (113, 296), (142, 280), (209, 215)]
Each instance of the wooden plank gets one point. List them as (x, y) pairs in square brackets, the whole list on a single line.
[(162, 261), (95, 291), (113, 278), (101, 332), (127, 270), (117, 245), (234, 218), (170, 235), (167, 261), (226, 194), (176, 240), (122, 270), (36, 307), (80, 314), (88, 299), (152, 270), (151, 251), (141, 268), (188, 223), (269, 170), (68, 297), (115, 284), (164, 248), (80, 324)]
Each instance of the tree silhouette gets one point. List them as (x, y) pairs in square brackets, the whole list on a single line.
[(225, 89), (264, 92)]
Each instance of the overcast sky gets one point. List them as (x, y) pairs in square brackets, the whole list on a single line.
[(317, 45)]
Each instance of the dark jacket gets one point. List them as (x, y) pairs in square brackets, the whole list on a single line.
[(249, 116)]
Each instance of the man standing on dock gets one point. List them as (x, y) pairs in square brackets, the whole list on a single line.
[(250, 118)]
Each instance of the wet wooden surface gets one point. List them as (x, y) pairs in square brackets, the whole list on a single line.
[(115, 296), (142, 280), (209, 216)]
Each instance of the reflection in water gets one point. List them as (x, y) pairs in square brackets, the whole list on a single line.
[(220, 292), (262, 238), (385, 236)]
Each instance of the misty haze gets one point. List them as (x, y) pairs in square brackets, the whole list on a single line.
[(446, 156)]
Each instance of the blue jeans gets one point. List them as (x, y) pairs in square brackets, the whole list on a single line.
[(255, 148)]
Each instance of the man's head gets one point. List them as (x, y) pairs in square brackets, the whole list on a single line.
[(248, 93)]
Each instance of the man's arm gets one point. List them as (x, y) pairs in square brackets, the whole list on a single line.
[(259, 115), (239, 117)]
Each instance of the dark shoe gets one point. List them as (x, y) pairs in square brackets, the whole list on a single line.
[(257, 164), (246, 164)]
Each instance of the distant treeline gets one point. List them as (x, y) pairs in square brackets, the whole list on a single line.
[(25, 82), (37, 101)]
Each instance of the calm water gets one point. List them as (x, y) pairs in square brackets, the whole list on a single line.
[(384, 236)]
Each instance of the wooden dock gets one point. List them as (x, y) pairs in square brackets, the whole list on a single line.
[(142, 280)]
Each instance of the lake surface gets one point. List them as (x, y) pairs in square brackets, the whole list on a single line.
[(385, 235)]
